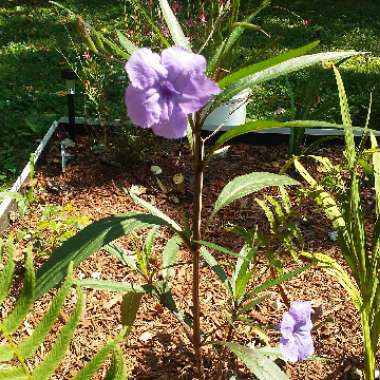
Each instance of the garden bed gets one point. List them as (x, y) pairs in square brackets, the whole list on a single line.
[(157, 347)]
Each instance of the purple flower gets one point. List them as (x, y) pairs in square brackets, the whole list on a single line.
[(296, 342), (165, 89)]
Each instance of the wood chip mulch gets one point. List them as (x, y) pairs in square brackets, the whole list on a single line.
[(157, 347)]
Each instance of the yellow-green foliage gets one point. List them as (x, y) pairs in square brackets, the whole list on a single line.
[(13, 356)]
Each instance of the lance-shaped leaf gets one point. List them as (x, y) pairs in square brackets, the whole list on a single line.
[(88, 241), (113, 286), (13, 373), (155, 211), (228, 43), (26, 298), (117, 369), (273, 72), (61, 344), (217, 269), (261, 125), (275, 281), (259, 361), (242, 273), (6, 276), (256, 67), (122, 255), (169, 256), (129, 307), (174, 27), (126, 43), (376, 169), (244, 185), (90, 369), (332, 267), (347, 122)]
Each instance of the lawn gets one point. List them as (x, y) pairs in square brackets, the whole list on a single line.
[(32, 37)]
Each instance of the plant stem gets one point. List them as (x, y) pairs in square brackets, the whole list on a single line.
[(196, 236), (369, 351)]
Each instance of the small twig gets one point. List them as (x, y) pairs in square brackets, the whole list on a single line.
[(222, 125), (217, 21)]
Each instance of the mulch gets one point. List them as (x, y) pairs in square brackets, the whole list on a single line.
[(157, 347)]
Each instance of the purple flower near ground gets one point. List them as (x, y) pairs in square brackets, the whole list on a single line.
[(165, 89), (296, 342)]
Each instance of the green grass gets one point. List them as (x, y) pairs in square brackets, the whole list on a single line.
[(339, 25), (30, 70), (30, 65)]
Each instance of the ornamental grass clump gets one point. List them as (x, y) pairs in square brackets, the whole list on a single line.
[(171, 94)]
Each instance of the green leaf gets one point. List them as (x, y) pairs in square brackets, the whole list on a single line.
[(331, 266), (126, 43), (257, 67), (155, 211), (61, 344), (113, 286), (6, 276), (259, 361), (89, 370), (26, 297), (248, 25), (244, 185), (217, 269), (129, 307), (350, 149), (242, 273), (218, 248), (121, 255), (88, 241), (174, 27), (253, 303), (149, 242), (117, 369), (243, 79), (169, 256), (13, 373), (226, 46), (260, 125), (275, 281), (376, 170), (30, 345)]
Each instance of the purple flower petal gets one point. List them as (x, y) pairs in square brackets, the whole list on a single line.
[(289, 349), (296, 342), (305, 346), (144, 69), (164, 90), (143, 106), (300, 311), (287, 326), (173, 128), (196, 92), (179, 62)]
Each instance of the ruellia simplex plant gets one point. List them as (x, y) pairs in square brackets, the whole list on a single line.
[(339, 195), (172, 94)]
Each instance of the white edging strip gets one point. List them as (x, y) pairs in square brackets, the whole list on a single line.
[(6, 205)]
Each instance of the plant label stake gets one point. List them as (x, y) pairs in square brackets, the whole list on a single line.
[(69, 76)]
